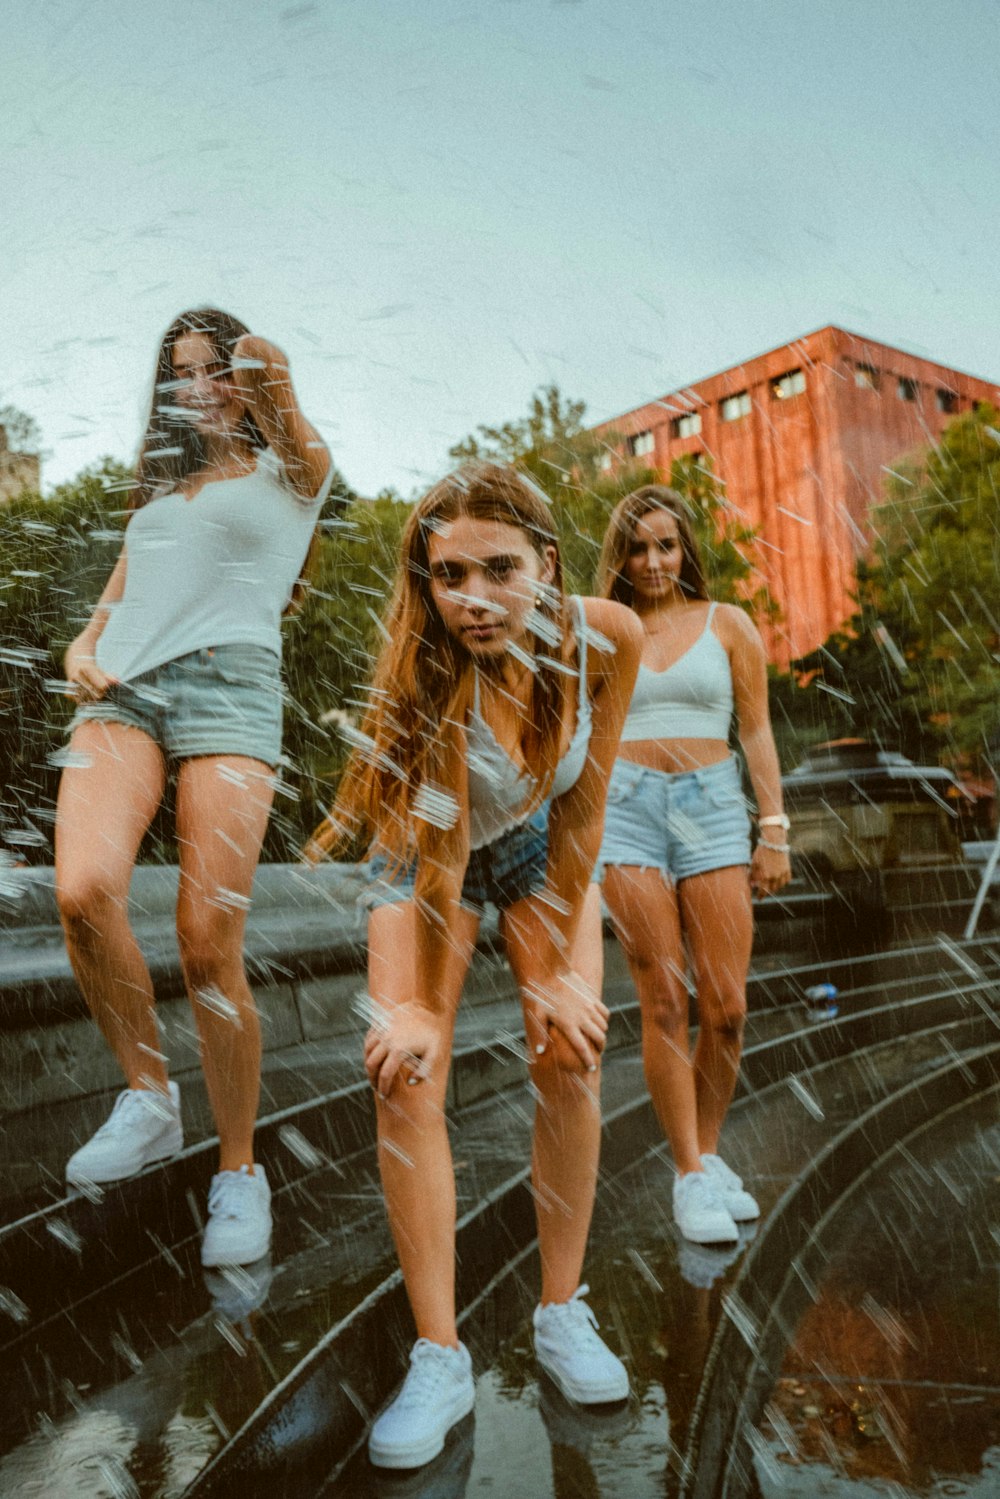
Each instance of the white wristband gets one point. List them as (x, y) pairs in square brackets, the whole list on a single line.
[(777, 820), (776, 848)]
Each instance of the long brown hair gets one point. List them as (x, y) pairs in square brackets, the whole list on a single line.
[(413, 734), (172, 448), (612, 575)]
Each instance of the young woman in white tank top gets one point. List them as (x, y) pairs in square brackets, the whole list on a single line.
[(486, 753), (676, 848), (179, 668)]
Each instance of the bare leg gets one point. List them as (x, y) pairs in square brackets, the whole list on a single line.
[(223, 803), (646, 915), (567, 1135), (102, 812), (717, 917), (414, 1151)]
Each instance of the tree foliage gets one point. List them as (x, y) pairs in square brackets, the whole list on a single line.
[(917, 668), (58, 553), (22, 431), (584, 478)]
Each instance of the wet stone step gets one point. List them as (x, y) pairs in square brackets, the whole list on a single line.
[(199, 1334), (659, 1300), (892, 1372), (332, 1245)]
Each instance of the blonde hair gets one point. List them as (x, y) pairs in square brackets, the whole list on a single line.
[(612, 576), (412, 739)]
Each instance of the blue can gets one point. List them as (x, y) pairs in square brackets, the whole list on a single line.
[(821, 1001)]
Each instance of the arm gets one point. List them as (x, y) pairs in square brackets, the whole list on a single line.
[(80, 662), (576, 823), (263, 380), (769, 869), (414, 1035)]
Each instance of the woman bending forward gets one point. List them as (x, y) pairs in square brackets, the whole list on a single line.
[(494, 719)]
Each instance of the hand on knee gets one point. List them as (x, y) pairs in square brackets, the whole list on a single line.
[(559, 1058)]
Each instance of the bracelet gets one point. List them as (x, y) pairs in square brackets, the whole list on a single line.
[(778, 820), (776, 848)]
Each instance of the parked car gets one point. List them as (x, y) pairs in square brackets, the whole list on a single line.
[(877, 829)]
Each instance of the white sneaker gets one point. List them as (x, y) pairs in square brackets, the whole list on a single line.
[(737, 1201), (238, 1230), (571, 1353), (144, 1126), (438, 1391), (699, 1212)]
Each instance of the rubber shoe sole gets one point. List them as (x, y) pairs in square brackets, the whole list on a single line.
[(613, 1389), (172, 1145), (415, 1454)]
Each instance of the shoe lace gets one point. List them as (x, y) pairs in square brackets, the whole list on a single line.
[(129, 1107), (702, 1190), (229, 1196), (428, 1372), (575, 1319), (725, 1174)]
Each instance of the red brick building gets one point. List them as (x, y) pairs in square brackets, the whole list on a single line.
[(803, 436)]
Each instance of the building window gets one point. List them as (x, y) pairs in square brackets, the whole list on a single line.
[(866, 376), (733, 407), (947, 401), (688, 425), (641, 444), (906, 389), (786, 386), (607, 459)]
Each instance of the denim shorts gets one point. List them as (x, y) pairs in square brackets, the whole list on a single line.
[(682, 824), (514, 866), (221, 700)]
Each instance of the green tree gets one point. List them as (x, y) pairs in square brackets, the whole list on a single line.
[(584, 478), (330, 647), (22, 431), (58, 553), (917, 667)]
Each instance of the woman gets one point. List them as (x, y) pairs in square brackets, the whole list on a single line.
[(676, 847), (481, 771), (179, 669)]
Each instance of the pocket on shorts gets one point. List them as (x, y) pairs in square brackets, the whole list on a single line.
[(246, 666), (625, 781), (725, 791)]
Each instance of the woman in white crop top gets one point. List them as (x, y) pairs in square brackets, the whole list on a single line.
[(180, 667), (481, 772), (676, 849)]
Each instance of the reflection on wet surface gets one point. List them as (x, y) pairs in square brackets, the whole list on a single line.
[(888, 1377), (904, 1330), (894, 1370)]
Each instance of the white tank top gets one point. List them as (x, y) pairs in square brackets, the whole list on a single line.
[(693, 699), (215, 570), (498, 789)]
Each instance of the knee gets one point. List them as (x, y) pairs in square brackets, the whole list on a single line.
[(666, 1009), (211, 953), (86, 905), (415, 1111), (559, 1064), (725, 1016)]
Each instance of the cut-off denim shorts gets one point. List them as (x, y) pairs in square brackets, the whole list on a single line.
[(503, 872), (220, 700), (682, 824)]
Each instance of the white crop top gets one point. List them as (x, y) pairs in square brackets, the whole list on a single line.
[(693, 699), (215, 570), (499, 789)]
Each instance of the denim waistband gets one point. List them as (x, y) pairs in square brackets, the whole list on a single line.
[(698, 776)]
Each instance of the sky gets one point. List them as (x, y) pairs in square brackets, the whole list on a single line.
[(437, 206)]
